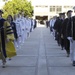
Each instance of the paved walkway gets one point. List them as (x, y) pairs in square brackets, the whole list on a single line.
[(40, 55)]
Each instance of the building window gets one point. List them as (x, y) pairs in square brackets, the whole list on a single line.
[(58, 9), (36, 6), (68, 7), (43, 6), (52, 8), (4, 0)]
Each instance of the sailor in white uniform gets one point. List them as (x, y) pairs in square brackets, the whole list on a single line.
[(52, 22), (23, 27), (19, 31), (28, 26)]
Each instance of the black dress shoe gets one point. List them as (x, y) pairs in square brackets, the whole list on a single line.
[(73, 63)]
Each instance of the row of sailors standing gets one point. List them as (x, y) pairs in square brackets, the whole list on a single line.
[(13, 32), (24, 26), (63, 29)]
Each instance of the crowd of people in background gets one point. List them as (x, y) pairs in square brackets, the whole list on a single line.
[(16, 29), (62, 27), (13, 32)]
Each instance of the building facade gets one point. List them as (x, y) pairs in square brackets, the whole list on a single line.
[(49, 8), (1, 4), (45, 9)]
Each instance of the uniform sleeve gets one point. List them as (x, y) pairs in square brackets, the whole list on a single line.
[(15, 31), (63, 27), (69, 33), (55, 25), (9, 31)]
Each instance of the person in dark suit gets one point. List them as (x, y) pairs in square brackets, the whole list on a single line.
[(63, 32), (71, 37), (35, 23), (58, 27)]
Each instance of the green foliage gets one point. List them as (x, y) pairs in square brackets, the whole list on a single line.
[(16, 6)]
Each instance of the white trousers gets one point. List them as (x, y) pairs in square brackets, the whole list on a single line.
[(72, 50), (23, 37), (28, 32), (19, 41)]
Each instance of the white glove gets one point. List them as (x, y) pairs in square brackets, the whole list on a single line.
[(70, 39)]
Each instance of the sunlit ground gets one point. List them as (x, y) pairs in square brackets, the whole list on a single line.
[(41, 25)]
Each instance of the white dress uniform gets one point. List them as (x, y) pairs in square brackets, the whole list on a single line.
[(28, 26), (52, 22), (23, 27), (18, 26)]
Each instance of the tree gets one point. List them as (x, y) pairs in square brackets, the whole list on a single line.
[(16, 6)]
